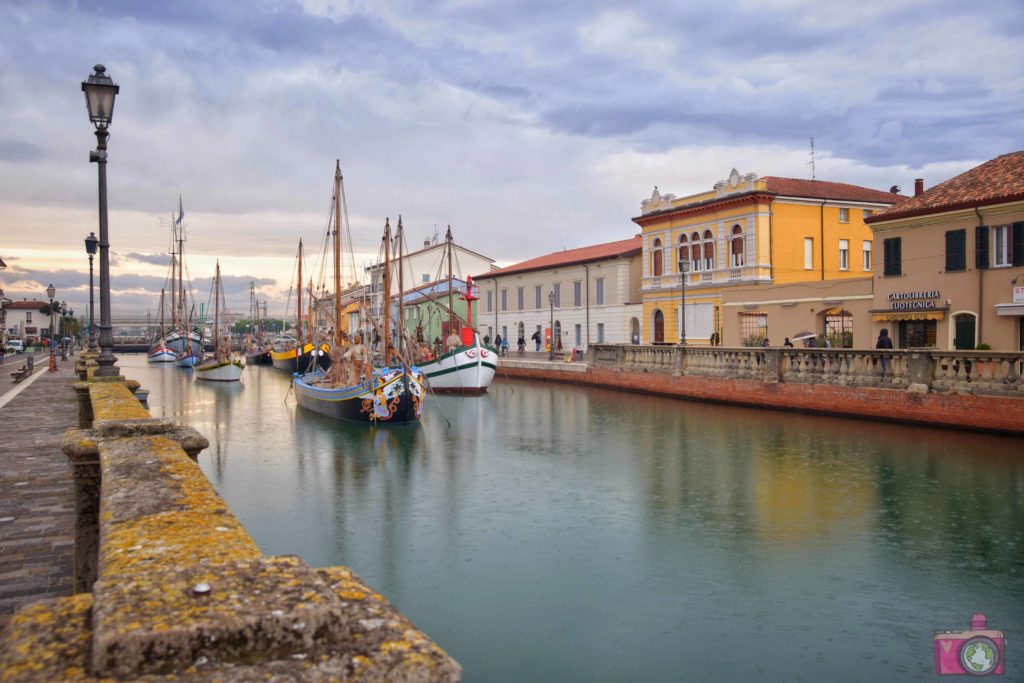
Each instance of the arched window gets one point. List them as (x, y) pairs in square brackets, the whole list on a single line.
[(736, 247), (695, 252), (684, 250), (659, 327), (656, 258), (709, 250)]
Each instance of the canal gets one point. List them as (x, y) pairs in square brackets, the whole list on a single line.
[(555, 533)]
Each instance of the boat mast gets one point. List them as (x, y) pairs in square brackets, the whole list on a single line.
[(400, 238), (216, 315), (298, 303), (162, 304), (181, 282), (451, 294), (174, 275), (337, 253), (387, 292), (309, 318)]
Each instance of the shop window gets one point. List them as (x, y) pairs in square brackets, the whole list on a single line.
[(892, 256), (753, 328), (915, 334), (839, 328)]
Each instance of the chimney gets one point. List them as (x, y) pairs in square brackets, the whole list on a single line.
[(918, 186), (426, 243)]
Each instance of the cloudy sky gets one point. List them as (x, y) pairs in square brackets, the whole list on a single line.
[(527, 126)]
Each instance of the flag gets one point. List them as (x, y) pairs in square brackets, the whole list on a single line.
[(181, 212)]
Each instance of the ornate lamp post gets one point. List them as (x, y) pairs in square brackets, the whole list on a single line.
[(50, 291), (100, 92), (91, 243), (684, 268), (63, 315), (551, 346)]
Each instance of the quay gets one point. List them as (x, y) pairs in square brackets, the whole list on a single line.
[(120, 561)]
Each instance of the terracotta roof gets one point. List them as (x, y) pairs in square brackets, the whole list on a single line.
[(994, 182), (26, 305), (567, 257), (823, 189)]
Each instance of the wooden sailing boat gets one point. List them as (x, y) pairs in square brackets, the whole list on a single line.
[(353, 390), (293, 355), (178, 339), (159, 352), (221, 367), (256, 350), (468, 368)]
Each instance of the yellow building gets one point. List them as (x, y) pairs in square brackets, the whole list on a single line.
[(748, 230)]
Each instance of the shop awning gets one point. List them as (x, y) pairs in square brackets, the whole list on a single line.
[(908, 315), (1010, 309)]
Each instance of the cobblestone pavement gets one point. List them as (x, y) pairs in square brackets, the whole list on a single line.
[(36, 496)]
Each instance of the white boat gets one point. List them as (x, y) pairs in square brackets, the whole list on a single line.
[(187, 359), (221, 367), (466, 370), (161, 354)]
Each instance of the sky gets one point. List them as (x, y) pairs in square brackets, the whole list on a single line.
[(528, 126)]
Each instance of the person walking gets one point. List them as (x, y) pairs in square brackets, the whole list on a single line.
[(787, 343), (536, 339), (2, 352), (884, 342)]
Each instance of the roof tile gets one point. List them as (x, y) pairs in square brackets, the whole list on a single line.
[(823, 189), (570, 256)]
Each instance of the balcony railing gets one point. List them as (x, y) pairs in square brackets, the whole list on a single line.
[(974, 372)]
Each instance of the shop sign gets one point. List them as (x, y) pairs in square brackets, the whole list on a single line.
[(1018, 295), (913, 301)]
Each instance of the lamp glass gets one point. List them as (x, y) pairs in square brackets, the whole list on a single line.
[(50, 291), (99, 92), (91, 244)]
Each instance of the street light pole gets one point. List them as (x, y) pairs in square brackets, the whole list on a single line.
[(551, 344), (91, 243), (684, 268), (100, 92), (50, 291)]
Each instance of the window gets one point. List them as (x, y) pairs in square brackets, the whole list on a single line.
[(868, 212), (753, 328), (1001, 246), (656, 258), (504, 299), (600, 333), (844, 254), (599, 291), (844, 215), (28, 317), (891, 256), (538, 300), (866, 252), (839, 328), (684, 250), (504, 332), (956, 250), (695, 252), (521, 298), (736, 247), (577, 293), (557, 289), (709, 250), (426, 277), (809, 253), (579, 335), (490, 301)]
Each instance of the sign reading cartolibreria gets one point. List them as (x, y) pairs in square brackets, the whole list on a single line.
[(913, 301)]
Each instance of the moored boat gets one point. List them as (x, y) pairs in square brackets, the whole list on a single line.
[(161, 354), (468, 369), (221, 367), (187, 359)]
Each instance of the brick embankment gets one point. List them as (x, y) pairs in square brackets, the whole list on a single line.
[(36, 497), (961, 411)]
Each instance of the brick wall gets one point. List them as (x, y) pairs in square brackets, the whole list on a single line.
[(985, 413)]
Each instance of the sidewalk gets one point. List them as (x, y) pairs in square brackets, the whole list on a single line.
[(36, 496)]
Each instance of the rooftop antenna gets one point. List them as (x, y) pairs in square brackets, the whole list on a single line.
[(811, 162)]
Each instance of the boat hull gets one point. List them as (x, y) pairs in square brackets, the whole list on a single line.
[(300, 360), (466, 370), (161, 354), (186, 360), (258, 358), (175, 341), (390, 396), (224, 371)]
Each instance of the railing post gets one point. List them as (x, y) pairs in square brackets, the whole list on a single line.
[(771, 372), (920, 369)]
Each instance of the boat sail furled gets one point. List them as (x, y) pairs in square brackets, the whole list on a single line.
[(353, 389), (221, 367)]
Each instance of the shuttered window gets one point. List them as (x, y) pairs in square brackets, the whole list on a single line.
[(956, 250), (1017, 244), (892, 256), (981, 247)]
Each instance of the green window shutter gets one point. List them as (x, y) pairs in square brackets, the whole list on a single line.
[(1017, 243), (981, 247), (956, 250), (891, 249)]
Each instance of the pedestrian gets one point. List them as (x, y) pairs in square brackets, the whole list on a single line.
[(3, 351), (884, 342), (809, 342), (487, 340), (497, 342), (765, 342), (787, 343), (521, 344), (536, 339)]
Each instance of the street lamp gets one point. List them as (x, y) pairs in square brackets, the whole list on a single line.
[(63, 316), (50, 291), (684, 268), (100, 92), (91, 244), (551, 345)]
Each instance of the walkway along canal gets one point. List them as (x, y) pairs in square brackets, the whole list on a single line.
[(557, 532)]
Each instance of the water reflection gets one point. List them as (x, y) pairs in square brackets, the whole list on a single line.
[(547, 532)]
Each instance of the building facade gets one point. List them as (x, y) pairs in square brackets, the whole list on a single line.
[(748, 230), (576, 297), (426, 310), (25, 320), (951, 272)]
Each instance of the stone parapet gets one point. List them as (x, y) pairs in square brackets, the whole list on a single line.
[(180, 589)]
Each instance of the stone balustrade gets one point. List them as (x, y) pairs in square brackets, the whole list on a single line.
[(983, 373)]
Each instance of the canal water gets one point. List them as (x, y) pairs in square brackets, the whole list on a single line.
[(553, 533)]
